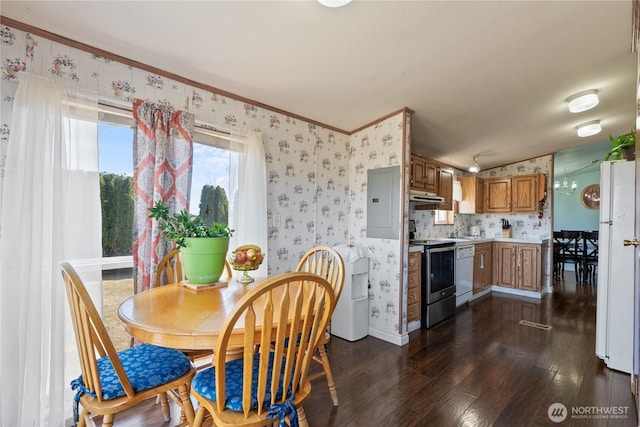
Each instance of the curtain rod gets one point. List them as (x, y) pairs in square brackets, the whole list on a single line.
[(199, 126)]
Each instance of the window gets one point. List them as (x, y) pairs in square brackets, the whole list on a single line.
[(210, 182), (209, 198)]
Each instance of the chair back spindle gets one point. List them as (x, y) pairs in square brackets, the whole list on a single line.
[(284, 317)]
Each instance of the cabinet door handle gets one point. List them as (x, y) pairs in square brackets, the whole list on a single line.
[(481, 261)]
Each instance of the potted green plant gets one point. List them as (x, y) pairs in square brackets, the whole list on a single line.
[(203, 248), (622, 146)]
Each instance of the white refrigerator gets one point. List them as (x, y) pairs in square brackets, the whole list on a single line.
[(614, 306)]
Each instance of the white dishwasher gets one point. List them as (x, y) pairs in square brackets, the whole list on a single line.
[(464, 273)]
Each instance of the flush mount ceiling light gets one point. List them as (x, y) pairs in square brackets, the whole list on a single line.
[(334, 3), (583, 101), (474, 168), (589, 128)]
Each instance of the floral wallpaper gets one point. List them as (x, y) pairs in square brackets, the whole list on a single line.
[(316, 176), (525, 226), (316, 179), (378, 146)]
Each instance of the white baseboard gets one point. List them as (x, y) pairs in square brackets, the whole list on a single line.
[(480, 294), (414, 326), (399, 340), (519, 292)]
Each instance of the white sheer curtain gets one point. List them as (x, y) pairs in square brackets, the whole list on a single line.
[(248, 201), (50, 213)]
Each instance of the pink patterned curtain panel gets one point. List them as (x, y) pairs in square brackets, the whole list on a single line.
[(162, 161)]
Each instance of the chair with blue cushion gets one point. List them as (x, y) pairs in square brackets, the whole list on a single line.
[(112, 381), (270, 385), (325, 262)]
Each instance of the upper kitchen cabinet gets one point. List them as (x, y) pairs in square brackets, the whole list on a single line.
[(445, 187), (497, 195), (525, 194), (433, 177), (424, 174), (518, 194), (472, 195)]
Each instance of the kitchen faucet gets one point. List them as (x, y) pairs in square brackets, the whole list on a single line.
[(455, 232)]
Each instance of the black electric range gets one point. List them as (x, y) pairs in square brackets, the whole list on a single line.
[(428, 244)]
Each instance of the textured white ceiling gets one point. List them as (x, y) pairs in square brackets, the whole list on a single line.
[(483, 77)]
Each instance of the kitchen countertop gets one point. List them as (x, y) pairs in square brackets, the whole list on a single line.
[(475, 240), (460, 241)]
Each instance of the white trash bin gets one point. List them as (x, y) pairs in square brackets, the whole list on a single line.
[(350, 319)]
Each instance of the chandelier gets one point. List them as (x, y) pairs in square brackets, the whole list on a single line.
[(565, 189)]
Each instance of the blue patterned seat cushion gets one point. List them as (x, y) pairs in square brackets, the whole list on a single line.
[(146, 365), (205, 384)]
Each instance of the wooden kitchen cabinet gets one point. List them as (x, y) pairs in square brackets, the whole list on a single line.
[(518, 194), (524, 193), (445, 187), (472, 195), (433, 177), (414, 286), (497, 195), (517, 265), (482, 271), (529, 262), (424, 174)]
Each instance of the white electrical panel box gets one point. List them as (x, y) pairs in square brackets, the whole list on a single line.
[(383, 203)]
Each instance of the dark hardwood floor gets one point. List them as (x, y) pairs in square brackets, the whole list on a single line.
[(479, 368)]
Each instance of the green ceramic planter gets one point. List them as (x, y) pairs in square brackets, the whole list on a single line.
[(203, 258)]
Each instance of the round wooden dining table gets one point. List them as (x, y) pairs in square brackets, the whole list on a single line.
[(178, 317)]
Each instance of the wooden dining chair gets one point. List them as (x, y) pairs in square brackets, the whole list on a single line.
[(171, 267), (571, 252), (590, 255), (325, 262), (114, 381), (269, 385)]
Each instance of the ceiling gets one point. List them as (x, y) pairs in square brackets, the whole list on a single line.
[(487, 78)]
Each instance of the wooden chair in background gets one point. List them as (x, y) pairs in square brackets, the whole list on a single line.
[(284, 317), (327, 263), (590, 254), (571, 252), (171, 267), (113, 381)]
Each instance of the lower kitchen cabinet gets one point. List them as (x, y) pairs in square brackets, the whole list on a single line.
[(517, 265), (482, 271), (414, 277)]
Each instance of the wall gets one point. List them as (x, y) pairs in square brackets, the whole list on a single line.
[(426, 228), (308, 172), (378, 146), (316, 176), (526, 226), (568, 211)]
